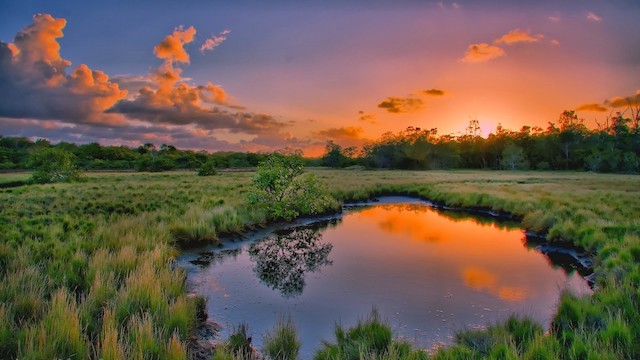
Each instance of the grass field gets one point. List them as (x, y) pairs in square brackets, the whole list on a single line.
[(87, 267)]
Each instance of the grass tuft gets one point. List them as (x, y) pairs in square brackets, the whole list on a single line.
[(282, 342)]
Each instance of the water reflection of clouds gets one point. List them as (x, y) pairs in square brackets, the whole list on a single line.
[(422, 223), (451, 215), (406, 219), (459, 242), (481, 279)]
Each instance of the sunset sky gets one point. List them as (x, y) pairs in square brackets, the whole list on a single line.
[(260, 76)]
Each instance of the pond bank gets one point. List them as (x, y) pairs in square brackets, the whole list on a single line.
[(205, 258)]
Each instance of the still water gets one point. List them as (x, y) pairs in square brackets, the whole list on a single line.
[(429, 273)]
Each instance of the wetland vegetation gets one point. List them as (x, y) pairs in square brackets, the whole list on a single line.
[(88, 268)]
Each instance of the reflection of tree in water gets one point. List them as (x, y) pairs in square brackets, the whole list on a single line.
[(283, 259)]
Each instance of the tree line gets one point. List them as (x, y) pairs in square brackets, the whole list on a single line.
[(565, 145), (22, 153)]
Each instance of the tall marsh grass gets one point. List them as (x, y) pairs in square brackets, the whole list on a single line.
[(86, 269), (282, 342)]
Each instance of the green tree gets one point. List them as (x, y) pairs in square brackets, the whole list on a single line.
[(334, 156), (513, 158), (53, 165), (208, 168), (286, 192)]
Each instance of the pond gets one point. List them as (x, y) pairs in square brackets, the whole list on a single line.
[(428, 272)]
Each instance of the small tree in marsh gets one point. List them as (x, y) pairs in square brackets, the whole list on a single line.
[(208, 168), (285, 191), (53, 165)]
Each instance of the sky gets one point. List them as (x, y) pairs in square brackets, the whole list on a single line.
[(263, 76)]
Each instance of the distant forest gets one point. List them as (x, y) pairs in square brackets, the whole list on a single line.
[(565, 145)]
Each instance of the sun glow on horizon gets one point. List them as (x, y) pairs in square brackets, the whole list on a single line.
[(344, 74)]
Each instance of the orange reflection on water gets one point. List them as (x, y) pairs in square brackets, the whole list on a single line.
[(481, 256), (482, 280)]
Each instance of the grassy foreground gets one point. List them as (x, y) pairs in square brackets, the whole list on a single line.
[(86, 268)]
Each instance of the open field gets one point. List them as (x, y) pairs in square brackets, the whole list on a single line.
[(87, 267)]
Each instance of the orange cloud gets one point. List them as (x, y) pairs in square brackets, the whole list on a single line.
[(341, 133), (595, 107), (370, 118), (397, 105), (624, 101), (38, 42), (37, 86), (214, 41), (172, 47), (482, 52), (170, 100), (433, 92), (518, 36)]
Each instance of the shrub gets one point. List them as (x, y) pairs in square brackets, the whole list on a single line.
[(53, 165), (208, 169), (285, 192)]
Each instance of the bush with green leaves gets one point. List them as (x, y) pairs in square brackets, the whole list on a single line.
[(53, 165), (285, 191), (208, 169)]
